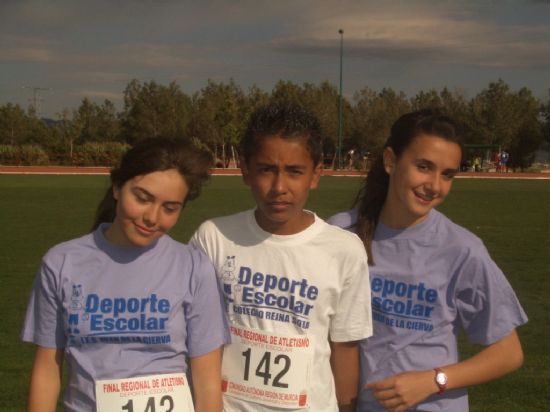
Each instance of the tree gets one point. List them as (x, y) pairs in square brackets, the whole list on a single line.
[(86, 117), (529, 132), (152, 110), (508, 119), (374, 114), (219, 117), (426, 100), (494, 116), (322, 100), (108, 123), (70, 128), (545, 112), (287, 91), (14, 124)]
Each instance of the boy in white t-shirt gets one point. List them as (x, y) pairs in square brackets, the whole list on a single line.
[(296, 288)]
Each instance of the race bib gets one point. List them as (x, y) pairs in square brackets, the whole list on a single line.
[(266, 368), (153, 393)]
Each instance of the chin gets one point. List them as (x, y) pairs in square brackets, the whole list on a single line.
[(140, 241)]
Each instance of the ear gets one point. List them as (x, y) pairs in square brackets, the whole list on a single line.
[(244, 170), (116, 192), (389, 159), (317, 172)]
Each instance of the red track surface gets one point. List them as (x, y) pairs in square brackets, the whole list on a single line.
[(236, 172)]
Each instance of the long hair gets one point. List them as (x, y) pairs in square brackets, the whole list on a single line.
[(154, 155), (372, 196)]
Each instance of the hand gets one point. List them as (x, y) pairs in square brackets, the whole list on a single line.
[(404, 390)]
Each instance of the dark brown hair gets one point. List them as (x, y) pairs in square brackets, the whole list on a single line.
[(286, 120), (372, 196), (154, 155)]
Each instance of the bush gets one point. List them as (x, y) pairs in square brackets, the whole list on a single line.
[(98, 154), (24, 155)]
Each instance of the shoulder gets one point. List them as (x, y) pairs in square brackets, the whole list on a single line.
[(345, 220), (83, 244), (452, 234), (341, 241), (184, 251), (465, 251), (189, 260), (220, 228), (224, 222)]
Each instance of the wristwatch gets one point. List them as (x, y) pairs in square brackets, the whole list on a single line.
[(440, 380)]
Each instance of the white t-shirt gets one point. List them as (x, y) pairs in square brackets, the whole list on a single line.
[(314, 284)]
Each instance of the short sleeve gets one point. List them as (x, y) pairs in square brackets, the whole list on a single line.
[(487, 306), (353, 319), (207, 326), (44, 318)]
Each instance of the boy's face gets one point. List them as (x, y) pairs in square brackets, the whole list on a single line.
[(280, 174)]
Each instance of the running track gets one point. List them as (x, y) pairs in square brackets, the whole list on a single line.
[(58, 170)]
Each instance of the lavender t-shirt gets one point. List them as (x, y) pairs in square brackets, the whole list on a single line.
[(122, 311), (428, 282)]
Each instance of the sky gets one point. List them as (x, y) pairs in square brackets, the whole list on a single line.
[(61, 51)]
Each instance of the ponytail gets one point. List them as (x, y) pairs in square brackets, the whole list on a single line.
[(369, 203), (106, 210)]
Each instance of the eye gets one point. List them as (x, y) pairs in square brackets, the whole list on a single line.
[(141, 198), (449, 175), (422, 167), (169, 208)]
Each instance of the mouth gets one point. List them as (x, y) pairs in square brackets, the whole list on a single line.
[(279, 206), (143, 230), (423, 197)]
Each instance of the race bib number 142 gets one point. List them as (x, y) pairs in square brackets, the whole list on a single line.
[(270, 369), (154, 393)]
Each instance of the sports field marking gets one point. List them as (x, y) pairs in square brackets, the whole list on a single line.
[(103, 171)]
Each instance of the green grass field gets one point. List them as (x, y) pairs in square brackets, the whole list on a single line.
[(511, 216)]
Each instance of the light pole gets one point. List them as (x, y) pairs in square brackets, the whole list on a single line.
[(340, 102)]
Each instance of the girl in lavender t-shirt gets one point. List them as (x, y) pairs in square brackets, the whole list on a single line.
[(429, 279), (125, 306)]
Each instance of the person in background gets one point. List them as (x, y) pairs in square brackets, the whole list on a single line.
[(126, 305), (430, 278)]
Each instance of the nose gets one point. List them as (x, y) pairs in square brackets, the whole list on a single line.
[(150, 215), (279, 185), (435, 183)]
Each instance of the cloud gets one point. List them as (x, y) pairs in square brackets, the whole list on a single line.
[(99, 76), (99, 94), (27, 54), (440, 35)]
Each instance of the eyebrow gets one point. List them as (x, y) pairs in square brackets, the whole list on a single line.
[(149, 194), (291, 166), (450, 169)]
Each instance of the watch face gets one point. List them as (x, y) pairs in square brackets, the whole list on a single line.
[(441, 378)]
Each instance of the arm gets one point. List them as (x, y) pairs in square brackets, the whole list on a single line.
[(45, 380), (206, 373), (344, 360), (404, 390)]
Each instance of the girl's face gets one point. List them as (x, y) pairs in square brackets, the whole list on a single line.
[(420, 179), (148, 206), (280, 175)]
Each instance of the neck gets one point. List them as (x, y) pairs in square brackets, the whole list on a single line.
[(398, 219), (285, 228)]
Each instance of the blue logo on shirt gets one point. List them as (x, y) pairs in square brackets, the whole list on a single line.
[(401, 304)]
